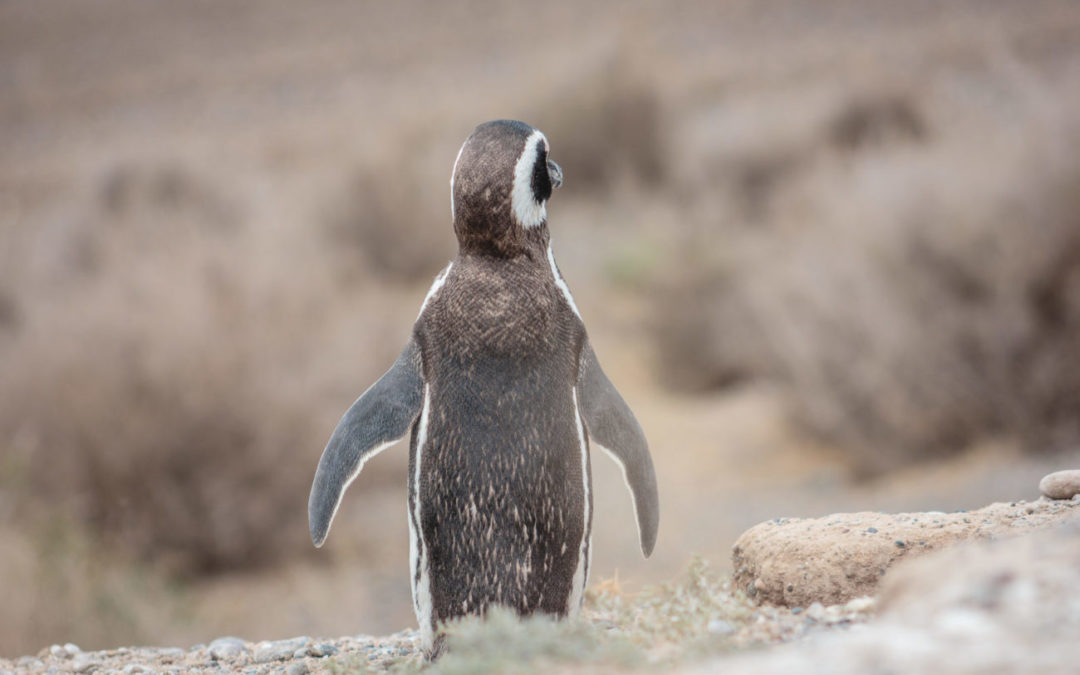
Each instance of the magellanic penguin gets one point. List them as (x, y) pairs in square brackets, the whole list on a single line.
[(504, 397)]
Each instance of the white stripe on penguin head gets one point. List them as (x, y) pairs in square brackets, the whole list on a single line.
[(453, 173), (528, 211)]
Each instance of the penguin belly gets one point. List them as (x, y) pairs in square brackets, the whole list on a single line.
[(500, 506)]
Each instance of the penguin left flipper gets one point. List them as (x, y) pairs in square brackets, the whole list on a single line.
[(613, 427), (379, 418)]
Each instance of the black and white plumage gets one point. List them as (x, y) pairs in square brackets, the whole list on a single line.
[(504, 397)]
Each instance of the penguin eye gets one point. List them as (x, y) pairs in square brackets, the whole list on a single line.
[(541, 181)]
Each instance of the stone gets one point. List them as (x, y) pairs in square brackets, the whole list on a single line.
[(84, 664), (72, 649), (720, 627), (991, 606), (1061, 484), (832, 560), (860, 605), (228, 649), (298, 668), (278, 650), (322, 650), (59, 652)]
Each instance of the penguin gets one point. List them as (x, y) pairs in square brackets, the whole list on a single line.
[(505, 399)]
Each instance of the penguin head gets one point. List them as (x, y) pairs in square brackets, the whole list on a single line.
[(499, 189)]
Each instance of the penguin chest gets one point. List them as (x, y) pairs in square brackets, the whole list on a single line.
[(500, 497)]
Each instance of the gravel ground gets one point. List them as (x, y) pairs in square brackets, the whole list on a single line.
[(294, 656), (701, 616), (669, 625)]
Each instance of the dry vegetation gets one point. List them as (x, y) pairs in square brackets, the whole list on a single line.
[(877, 211), (913, 284)]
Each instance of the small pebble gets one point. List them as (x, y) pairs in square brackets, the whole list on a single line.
[(72, 649), (862, 604), (84, 664), (297, 668), (872, 530), (279, 650), (720, 627), (136, 669), (59, 652), (227, 649), (899, 544), (1061, 484), (815, 611), (322, 650)]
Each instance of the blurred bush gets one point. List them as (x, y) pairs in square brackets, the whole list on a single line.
[(383, 223), (605, 127), (913, 292), (135, 398)]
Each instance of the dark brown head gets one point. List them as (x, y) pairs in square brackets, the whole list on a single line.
[(500, 186)]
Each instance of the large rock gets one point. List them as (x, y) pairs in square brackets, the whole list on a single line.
[(988, 607), (1061, 484), (794, 562)]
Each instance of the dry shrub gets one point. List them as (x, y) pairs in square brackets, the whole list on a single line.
[(875, 120), (392, 216), (606, 127), (913, 299), (140, 397)]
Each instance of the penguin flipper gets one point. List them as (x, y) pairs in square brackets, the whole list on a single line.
[(379, 418), (613, 427)]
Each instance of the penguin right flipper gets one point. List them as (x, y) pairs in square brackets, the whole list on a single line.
[(379, 418), (613, 427)]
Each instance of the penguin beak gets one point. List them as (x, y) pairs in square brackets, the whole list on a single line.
[(554, 173)]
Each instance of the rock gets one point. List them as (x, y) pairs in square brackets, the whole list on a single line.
[(84, 664), (72, 649), (860, 605), (1061, 484), (838, 558), (59, 652), (298, 668), (322, 650), (279, 650), (137, 669), (720, 627), (228, 649), (1005, 606)]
